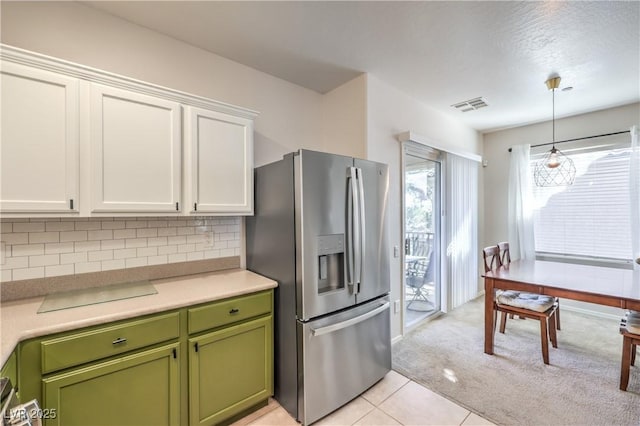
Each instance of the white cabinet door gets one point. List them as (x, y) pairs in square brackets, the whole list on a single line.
[(39, 141), (221, 159), (136, 152)]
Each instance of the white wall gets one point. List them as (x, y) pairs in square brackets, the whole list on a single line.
[(391, 112), (496, 145), (289, 114), (344, 118)]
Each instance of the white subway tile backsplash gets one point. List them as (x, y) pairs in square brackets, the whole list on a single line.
[(28, 273), (106, 234), (29, 227), (112, 244), (73, 236), (88, 226), (187, 230), (44, 237), (186, 248), (116, 224), (147, 251), (15, 238), (59, 226), (51, 248), (196, 255), (87, 245), (44, 260), (135, 262), (167, 232), (167, 249), (146, 232), (157, 260), (108, 265), (181, 239), (136, 224), (70, 258), (159, 241), (27, 250), (84, 267), (124, 253), (124, 233), (177, 257), (16, 262), (58, 270), (135, 242), (94, 256), (47, 247)]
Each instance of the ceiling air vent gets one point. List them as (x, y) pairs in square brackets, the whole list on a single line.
[(470, 105)]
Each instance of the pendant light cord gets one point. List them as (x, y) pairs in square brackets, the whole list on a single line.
[(553, 117)]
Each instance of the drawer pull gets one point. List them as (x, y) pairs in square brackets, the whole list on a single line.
[(234, 311), (119, 340)]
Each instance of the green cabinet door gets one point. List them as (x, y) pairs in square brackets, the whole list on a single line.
[(135, 390), (230, 370)]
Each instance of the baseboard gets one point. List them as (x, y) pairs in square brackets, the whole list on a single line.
[(589, 312), (396, 339)]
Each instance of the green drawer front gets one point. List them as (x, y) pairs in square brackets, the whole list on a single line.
[(229, 311), (79, 348)]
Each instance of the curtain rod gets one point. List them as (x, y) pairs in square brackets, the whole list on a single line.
[(579, 139)]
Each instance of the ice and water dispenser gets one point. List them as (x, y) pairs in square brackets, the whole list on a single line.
[(330, 262)]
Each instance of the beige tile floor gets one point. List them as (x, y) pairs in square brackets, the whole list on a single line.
[(395, 400)]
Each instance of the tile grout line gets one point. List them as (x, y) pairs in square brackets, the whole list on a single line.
[(381, 402)]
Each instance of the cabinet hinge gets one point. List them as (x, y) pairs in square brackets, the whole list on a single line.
[(175, 353), (195, 207), (71, 204), (177, 206), (196, 347)]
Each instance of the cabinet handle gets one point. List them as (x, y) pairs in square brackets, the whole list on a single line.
[(119, 340), (195, 207), (196, 346), (234, 311), (71, 204), (177, 208)]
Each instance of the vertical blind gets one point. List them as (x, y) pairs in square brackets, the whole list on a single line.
[(461, 215), (590, 218)]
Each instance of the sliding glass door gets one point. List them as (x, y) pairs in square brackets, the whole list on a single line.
[(422, 201)]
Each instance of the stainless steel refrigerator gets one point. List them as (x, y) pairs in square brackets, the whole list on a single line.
[(319, 229)]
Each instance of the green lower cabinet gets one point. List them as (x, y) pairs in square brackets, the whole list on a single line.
[(135, 390), (230, 370)]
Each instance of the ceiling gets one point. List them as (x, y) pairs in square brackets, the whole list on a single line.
[(440, 53)]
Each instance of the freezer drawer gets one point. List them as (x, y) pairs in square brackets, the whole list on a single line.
[(343, 355)]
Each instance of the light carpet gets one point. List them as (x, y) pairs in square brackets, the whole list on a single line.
[(514, 386)]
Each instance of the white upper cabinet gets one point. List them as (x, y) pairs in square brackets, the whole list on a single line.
[(77, 141), (39, 160), (221, 162), (136, 146)]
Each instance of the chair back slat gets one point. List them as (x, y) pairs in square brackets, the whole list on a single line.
[(505, 255), (491, 256)]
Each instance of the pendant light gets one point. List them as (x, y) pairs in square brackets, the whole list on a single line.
[(555, 168)]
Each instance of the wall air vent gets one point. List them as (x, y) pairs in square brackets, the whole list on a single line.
[(470, 105)]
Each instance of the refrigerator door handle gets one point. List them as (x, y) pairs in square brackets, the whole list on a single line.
[(351, 200), (347, 323), (361, 223)]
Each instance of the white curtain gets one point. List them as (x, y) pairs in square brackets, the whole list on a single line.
[(520, 205), (634, 194), (461, 218)]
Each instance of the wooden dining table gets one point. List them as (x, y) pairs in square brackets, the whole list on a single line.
[(595, 284)]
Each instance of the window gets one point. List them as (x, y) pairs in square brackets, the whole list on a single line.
[(591, 218)]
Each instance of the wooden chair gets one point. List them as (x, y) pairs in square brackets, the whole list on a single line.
[(630, 342), (505, 259), (547, 318)]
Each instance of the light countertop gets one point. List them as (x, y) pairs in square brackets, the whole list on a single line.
[(20, 320)]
